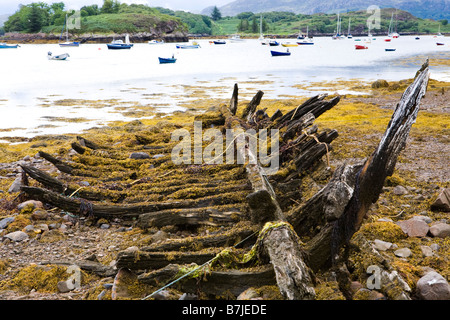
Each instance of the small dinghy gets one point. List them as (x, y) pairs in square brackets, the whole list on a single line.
[(62, 56)]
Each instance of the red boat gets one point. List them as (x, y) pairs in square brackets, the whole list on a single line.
[(387, 39), (359, 47)]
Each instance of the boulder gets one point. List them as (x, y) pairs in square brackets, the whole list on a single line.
[(433, 286), (380, 83), (442, 203), (17, 236), (31, 204), (414, 227), (382, 245), (440, 230)]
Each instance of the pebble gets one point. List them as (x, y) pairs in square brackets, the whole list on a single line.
[(104, 226), (403, 253), (382, 245), (433, 286), (139, 155), (427, 251), (400, 190)]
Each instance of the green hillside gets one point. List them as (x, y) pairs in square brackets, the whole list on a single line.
[(288, 23)]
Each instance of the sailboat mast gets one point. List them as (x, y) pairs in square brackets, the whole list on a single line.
[(67, 30)]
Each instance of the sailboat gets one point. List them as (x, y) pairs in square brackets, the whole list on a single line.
[(439, 34), (309, 40), (338, 35), (119, 44), (349, 35), (67, 43), (264, 41)]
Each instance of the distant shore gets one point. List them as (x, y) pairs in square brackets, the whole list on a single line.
[(142, 37)]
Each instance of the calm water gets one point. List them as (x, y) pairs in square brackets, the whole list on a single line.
[(30, 83)]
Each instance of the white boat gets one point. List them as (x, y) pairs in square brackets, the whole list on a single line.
[(338, 35), (349, 35), (62, 56), (264, 41), (439, 34), (236, 38), (156, 42)]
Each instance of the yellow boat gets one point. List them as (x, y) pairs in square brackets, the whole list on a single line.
[(289, 44)]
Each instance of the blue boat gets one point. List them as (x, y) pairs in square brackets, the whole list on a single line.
[(389, 49), (167, 60), (305, 42), (188, 46), (273, 43), (219, 42), (8, 46), (279, 53)]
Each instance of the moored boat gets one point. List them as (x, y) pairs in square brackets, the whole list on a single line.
[(389, 49), (274, 43), (62, 56), (119, 44), (279, 53), (8, 46), (359, 47), (219, 42), (167, 60), (156, 42), (67, 43), (188, 46), (287, 44), (440, 43)]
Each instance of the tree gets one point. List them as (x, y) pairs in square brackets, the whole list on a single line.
[(35, 19), (254, 25), (216, 14), (444, 22), (110, 6)]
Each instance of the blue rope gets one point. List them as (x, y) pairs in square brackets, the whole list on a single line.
[(192, 271)]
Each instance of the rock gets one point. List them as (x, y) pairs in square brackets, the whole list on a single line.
[(380, 83), (366, 294), (414, 227), (188, 296), (104, 226), (31, 204), (382, 245), (15, 186), (162, 295), (65, 286), (4, 222), (160, 236), (442, 203), (248, 294), (400, 190), (427, 251), (157, 156), (139, 155), (440, 230), (423, 218), (433, 286), (122, 281), (17, 236), (39, 214), (435, 247), (403, 253)]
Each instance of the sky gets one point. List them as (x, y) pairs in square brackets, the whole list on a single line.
[(11, 6)]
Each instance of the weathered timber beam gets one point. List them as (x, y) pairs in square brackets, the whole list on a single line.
[(63, 167), (325, 246)]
